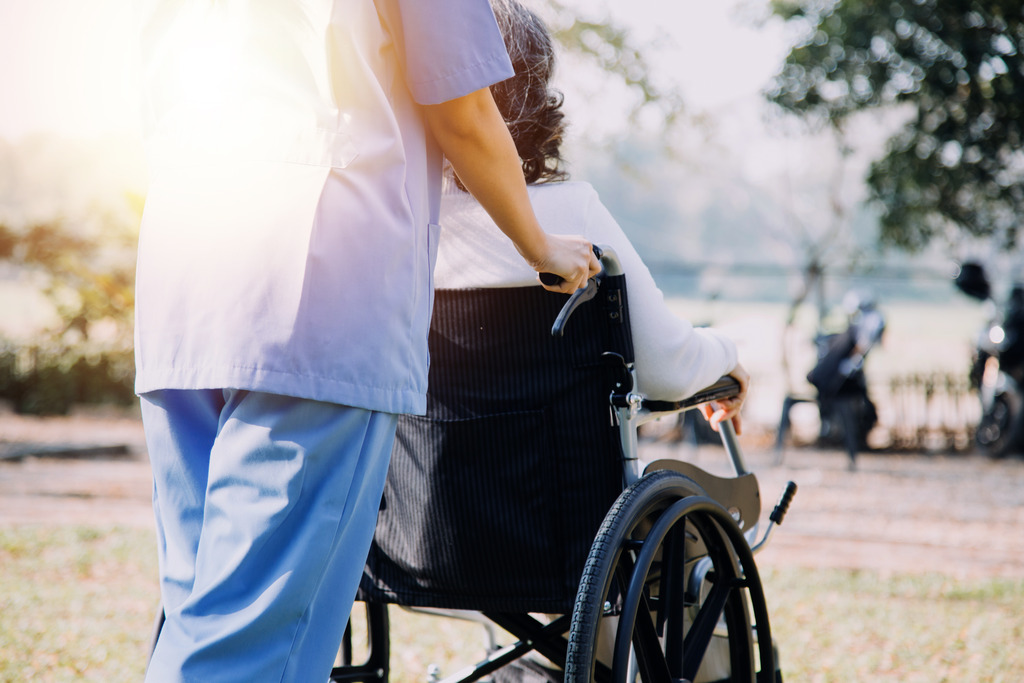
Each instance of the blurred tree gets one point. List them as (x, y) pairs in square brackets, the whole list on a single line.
[(88, 276), (87, 273), (957, 67)]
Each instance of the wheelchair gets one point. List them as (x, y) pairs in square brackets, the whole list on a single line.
[(520, 497)]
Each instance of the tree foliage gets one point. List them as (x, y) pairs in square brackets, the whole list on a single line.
[(88, 278), (957, 66)]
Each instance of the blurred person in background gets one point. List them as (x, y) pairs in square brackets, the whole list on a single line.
[(844, 405)]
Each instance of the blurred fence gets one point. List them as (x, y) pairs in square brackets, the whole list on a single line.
[(930, 412), (933, 412)]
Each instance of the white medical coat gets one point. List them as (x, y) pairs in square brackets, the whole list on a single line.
[(290, 229)]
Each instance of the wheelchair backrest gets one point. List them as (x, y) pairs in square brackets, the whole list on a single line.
[(494, 497)]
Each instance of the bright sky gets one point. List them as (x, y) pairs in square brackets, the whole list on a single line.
[(708, 47), (66, 67), (67, 64)]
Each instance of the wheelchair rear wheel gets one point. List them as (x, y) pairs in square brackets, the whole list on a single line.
[(668, 592)]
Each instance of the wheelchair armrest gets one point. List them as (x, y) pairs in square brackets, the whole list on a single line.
[(726, 387)]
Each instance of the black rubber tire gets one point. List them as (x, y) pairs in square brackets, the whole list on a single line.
[(1000, 430), (622, 565)]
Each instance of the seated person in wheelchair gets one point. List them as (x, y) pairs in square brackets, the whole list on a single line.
[(494, 497), (673, 358)]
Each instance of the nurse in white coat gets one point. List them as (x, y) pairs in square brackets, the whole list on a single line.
[(284, 294)]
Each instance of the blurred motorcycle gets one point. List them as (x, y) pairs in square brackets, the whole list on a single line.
[(997, 369)]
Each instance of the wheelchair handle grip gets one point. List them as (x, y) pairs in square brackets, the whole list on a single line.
[(783, 505), (550, 279)]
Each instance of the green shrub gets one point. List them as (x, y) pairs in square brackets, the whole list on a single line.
[(48, 381)]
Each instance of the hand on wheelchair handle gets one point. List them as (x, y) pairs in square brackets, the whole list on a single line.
[(552, 280)]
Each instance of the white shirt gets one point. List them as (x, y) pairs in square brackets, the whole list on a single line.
[(673, 359), (288, 238)]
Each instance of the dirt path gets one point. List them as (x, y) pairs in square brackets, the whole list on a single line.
[(959, 515), (74, 490)]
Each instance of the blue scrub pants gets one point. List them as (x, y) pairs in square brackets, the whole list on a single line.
[(265, 508)]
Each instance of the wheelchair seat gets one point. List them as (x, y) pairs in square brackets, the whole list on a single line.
[(494, 496)]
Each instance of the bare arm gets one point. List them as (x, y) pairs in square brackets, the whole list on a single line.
[(476, 142)]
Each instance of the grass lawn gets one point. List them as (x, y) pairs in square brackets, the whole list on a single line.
[(77, 603), (842, 625)]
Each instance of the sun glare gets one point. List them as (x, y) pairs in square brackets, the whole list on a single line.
[(206, 62), (68, 69), (234, 83)]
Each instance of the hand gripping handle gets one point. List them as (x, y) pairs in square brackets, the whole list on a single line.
[(552, 280)]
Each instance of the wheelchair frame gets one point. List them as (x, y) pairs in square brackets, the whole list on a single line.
[(637, 615)]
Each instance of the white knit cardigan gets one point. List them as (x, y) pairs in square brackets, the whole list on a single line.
[(673, 359)]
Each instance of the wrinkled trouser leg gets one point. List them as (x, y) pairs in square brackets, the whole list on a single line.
[(265, 509)]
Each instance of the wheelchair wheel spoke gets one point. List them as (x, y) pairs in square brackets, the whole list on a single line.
[(672, 600), (650, 658), (703, 628)]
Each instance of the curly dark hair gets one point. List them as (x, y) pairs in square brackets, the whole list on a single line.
[(531, 109)]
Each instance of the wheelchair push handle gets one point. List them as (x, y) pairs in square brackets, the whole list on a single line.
[(550, 279)]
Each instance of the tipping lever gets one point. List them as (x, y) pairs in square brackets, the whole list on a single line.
[(775, 519), (783, 505)]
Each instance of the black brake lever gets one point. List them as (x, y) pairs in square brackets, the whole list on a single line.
[(577, 298)]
